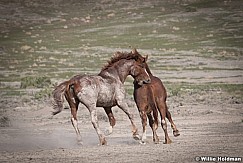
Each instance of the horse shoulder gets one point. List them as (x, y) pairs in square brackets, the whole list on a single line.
[(120, 92)]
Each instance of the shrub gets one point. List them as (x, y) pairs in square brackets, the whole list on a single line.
[(36, 82)]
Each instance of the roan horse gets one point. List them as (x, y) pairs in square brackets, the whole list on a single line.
[(151, 98), (103, 90)]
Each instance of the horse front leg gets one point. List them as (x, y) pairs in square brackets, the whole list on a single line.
[(122, 105), (154, 127), (111, 118), (143, 117)]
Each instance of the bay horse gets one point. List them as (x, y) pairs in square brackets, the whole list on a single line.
[(151, 98), (103, 90)]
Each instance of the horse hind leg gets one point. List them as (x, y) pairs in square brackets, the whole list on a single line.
[(90, 103), (162, 110), (173, 126), (73, 103), (154, 127), (164, 126), (75, 123)]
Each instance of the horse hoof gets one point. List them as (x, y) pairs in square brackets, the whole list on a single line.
[(108, 132), (103, 143), (156, 141), (80, 143), (176, 133), (168, 142), (136, 137), (142, 142)]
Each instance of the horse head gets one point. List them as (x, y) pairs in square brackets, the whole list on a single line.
[(138, 69)]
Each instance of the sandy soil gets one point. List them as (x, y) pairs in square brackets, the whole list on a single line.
[(211, 126)]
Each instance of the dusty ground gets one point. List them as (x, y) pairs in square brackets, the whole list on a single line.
[(195, 47)]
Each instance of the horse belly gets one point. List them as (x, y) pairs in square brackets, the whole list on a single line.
[(106, 97)]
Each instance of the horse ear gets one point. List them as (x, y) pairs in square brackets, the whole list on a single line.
[(134, 51), (145, 58)]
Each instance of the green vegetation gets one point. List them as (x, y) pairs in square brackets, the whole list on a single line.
[(43, 93), (5, 121), (176, 89), (36, 82)]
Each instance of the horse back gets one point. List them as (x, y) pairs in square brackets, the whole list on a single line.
[(94, 89)]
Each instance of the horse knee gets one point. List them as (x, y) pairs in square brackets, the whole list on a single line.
[(112, 121), (74, 122), (142, 113), (94, 119), (163, 124), (155, 126), (143, 117)]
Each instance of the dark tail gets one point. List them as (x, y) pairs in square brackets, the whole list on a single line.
[(154, 107), (58, 97), (155, 114)]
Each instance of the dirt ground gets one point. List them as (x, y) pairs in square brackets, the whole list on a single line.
[(208, 127), (203, 78)]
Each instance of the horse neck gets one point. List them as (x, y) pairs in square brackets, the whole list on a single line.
[(118, 71)]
